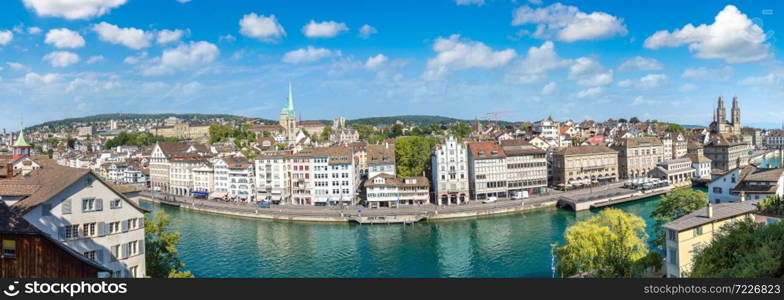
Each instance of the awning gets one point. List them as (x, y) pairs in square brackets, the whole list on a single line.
[(200, 193)]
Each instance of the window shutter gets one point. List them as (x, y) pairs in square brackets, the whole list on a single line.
[(125, 250), (99, 256), (102, 228), (125, 225), (141, 246), (141, 222), (61, 232), (66, 206), (99, 204)]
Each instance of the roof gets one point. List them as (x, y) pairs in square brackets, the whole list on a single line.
[(336, 154), (518, 147), (721, 211), (697, 158), (640, 142), (583, 150), (310, 123), (50, 180), (486, 150), (391, 180), (20, 141), (380, 154)]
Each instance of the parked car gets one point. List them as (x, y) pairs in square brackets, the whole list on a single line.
[(490, 199), (264, 204)]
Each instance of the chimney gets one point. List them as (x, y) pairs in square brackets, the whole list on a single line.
[(742, 196), (710, 210)]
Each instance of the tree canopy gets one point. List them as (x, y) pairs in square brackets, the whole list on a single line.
[(140, 139), (610, 244), (460, 130), (412, 155), (672, 206), (161, 255), (743, 250)]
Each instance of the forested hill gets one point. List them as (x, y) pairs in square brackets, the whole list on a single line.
[(420, 120), (124, 116)]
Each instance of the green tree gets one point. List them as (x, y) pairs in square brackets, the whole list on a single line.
[(675, 128), (161, 255), (742, 250), (325, 133), (397, 130), (610, 244), (219, 133), (460, 130), (672, 206), (412, 155)]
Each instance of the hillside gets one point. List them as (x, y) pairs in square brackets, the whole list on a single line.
[(421, 120), (124, 116)]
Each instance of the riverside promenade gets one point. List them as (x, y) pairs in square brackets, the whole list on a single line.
[(404, 214)]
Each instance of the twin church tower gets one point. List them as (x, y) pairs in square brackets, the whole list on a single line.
[(720, 124)]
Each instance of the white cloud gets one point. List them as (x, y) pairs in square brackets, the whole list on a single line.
[(732, 37), (61, 59), (183, 1), (263, 28), (307, 55), (375, 62), (640, 63), (228, 38), (456, 54), (6, 37), (688, 87), (33, 30), (64, 38), (94, 59), (73, 9), (772, 79), (647, 82), (18, 67), (535, 66), (470, 2), (129, 37), (549, 88), (185, 56), (366, 31), (132, 60), (34, 79), (590, 92), (168, 36), (326, 29), (703, 73), (568, 23), (589, 72), (640, 100)]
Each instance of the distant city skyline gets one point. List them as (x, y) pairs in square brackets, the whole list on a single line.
[(452, 58)]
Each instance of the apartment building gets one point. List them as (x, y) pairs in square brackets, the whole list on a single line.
[(385, 190), (677, 172), (727, 152), (753, 182), (487, 171), (241, 177), (162, 176), (449, 165), (526, 168), (77, 209), (584, 165), (333, 175), (637, 157), (203, 180), (697, 229), (273, 178), (774, 139)]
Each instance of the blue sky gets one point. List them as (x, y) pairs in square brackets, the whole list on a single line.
[(458, 58)]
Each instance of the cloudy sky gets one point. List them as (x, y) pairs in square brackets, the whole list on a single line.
[(458, 58)]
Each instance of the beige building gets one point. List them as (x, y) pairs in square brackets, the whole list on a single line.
[(185, 130), (727, 152), (697, 229), (637, 157), (677, 172), (584, 165)]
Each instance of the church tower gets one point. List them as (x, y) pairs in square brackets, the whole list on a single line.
[(721, 112), (735, 115), (288, 118), (21, 147)]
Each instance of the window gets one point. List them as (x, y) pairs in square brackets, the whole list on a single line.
[(717, 190), (134, 271), (89, 229), (9, 249), (71, 231), (116, 203), (698, 231), (115, 252), (672, 235), (114, 227), (88, 204), (133, 248), (672, 256), (91, 255)]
